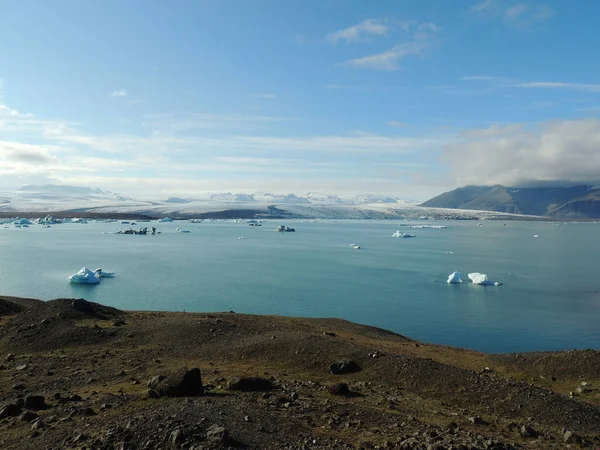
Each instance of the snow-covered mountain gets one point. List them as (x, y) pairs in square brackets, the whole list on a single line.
[(229, 197), (291, 198), (78, 199)]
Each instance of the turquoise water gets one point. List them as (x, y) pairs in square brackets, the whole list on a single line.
[(550, 298)]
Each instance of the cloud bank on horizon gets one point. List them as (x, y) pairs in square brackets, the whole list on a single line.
[(393, 99)]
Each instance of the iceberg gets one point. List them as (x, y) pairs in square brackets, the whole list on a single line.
[(399, 234), (454, 278), (84, 276), (104, 274), (482, 279), (165, 219)]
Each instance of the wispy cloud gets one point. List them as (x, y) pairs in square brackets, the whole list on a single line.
[(482, 7), (266, 96), (396, 124), (520, 15), (560, 85), (515, 12), (359, 32), (419, 43), (119, 93)]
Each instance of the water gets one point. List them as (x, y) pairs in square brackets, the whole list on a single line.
[(550, 298)]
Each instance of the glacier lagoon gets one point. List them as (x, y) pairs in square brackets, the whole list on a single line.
[(550, 299)]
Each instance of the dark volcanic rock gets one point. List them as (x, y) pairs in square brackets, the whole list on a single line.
[(250, 384), (339, 389), (344, 367), (184, 383), (28, 416), (10, 410), (153, 383), (35, 402)]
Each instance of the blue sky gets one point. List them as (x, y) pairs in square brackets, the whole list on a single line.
[(400, 97)]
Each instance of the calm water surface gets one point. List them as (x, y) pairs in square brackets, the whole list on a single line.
[(550, 298)]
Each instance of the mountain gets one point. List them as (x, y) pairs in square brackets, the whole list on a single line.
[(177, 200), (229, 197), (58, 191), (581, 201), (291, 198), (369, 198)]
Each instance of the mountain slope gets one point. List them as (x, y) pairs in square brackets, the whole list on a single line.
[(581, 201)]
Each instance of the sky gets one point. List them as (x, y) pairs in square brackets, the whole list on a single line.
[(407, 98)]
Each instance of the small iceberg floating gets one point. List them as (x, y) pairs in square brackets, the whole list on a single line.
[(100, 273), (536, 235), (85, 276), (284, 229), (455, 278), (179, 230), (482, 279), (399, 234), (355, 246)]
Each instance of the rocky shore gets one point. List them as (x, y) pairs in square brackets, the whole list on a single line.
[(76, 374)]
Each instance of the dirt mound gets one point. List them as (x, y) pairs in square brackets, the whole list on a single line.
[(8, 308), (79, 308)]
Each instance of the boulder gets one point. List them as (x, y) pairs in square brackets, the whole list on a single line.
[(527, 432), (35, 402), (250, 384), (153, 383), (29, 416), (183, 383), (343, 367), (10, 410), (339, 389)]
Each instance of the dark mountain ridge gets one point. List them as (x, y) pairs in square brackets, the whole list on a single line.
[(574, 202)]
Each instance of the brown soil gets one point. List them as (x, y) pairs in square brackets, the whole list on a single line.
[(92, 364)]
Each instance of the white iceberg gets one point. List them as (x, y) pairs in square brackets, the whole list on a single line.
[(482, 279), (165, 219), (84, 276), (104, 274), (399, 234), (454, 278)]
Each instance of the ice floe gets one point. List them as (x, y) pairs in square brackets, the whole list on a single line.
[(482, 279), (455, 278), (399, 234), (104, 274), (84, 276)]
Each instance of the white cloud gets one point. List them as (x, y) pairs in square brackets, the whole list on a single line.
[(419, 43), (359, 32), (514, 154), (515, 12), (482, 7), (519, 15), (266, 96), (396, 124), (119, 93), (560, 85)]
